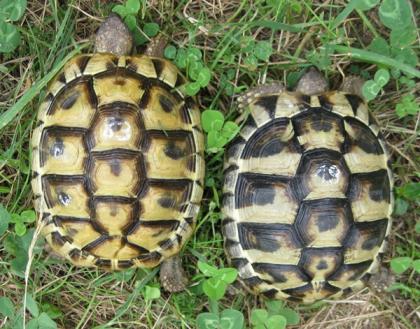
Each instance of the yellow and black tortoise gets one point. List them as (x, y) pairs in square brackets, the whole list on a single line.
[(307, 192), (118, 162)]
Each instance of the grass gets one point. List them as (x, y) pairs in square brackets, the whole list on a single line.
[(298, 32)]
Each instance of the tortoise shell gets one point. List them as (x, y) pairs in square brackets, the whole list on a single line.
[(307, 196), (117, 161)]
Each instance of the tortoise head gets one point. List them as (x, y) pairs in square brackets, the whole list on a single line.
[(113, 36), (312, 83)]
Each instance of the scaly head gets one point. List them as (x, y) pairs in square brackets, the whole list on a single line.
[(114, 37), (312, 83)]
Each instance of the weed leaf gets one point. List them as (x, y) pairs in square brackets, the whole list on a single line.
[(401, 38), (382, 77), (210, 119), (291, 316), (9, 37), (410, 191), (364, 4), (214, 288), (215, 140), (192, 88), (400, 264), (131, 22), (395, 14), (416, 265), (6, 307), (120, 10), (230, 129), (151, 293), (227, 275), (370, 89), (276, 322), (4, 219), (204, 77), (208, 321), (407, 106), (20, 229), (32, 306), (379, 46), (45, 322), (263, 50), (170, 52), (132, 6), (13, 10), (151, 29), (259, 316), (207, 269), (231, 319), (401, 207)]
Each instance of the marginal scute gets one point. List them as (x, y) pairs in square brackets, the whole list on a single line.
[(307, 196), (118, 160)]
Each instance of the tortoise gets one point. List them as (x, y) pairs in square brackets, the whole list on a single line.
[(117, 162), (307, 196)]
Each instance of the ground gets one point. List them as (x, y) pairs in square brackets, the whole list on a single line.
[(298, 32)]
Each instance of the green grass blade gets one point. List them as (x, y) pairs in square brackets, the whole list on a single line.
[(276, 26), (371, 57), (32, 92), (343, 14)]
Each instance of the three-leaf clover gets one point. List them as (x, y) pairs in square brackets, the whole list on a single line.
[(275, 317), (256, 50), (228, 319), (26, 216), (219, 132), (191, 60), (10, 11), (215, 286), (260, 319), (128, 12), (371, 88), (5, 218), (151, 293), (407, 106)]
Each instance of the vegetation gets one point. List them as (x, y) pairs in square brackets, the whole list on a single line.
[(224, 47)]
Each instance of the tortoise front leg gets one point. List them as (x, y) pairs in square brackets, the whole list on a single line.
[(172, 275)]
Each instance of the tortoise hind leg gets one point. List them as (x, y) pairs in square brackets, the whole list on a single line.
[(172, 275)]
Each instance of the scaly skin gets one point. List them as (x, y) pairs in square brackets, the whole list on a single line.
[(312, 83), (113, 37), (172, 275)]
